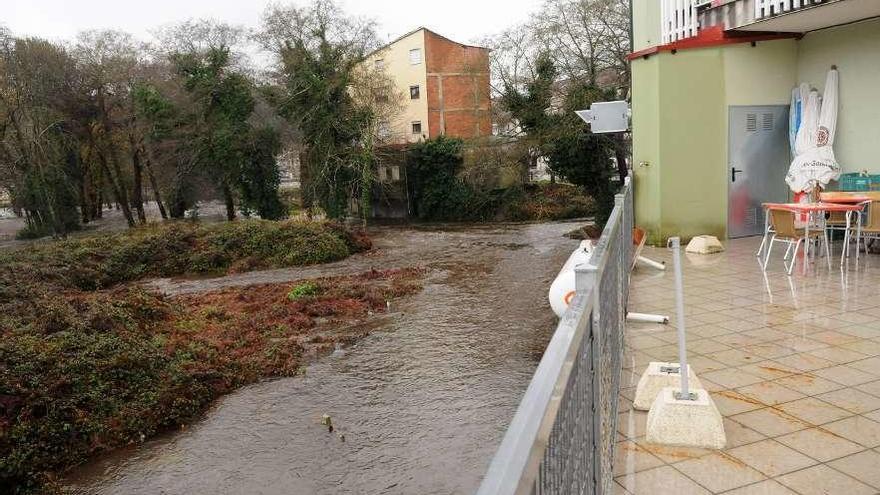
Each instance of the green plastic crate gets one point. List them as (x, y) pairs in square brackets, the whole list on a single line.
[(859, 182)]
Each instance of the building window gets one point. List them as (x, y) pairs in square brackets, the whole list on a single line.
[(382, 94), (379, 63), (417, 127), (415, 56), (383, 173), (384, 130), (414, 92), (395, 173)]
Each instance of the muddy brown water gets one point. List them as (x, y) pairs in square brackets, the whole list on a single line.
[(422, 402)]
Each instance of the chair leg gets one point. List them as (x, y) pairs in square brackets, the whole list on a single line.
[(797, 248), (787, 252), (827, 249), (769, 250), (763, 243)]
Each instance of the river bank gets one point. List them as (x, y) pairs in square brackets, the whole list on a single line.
[(422, 401), (90, 360)]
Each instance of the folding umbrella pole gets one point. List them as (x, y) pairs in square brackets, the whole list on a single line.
[(684, 393), (682, 415)]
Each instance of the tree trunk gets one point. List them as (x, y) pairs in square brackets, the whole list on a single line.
[(154, 185), (118, 191), (620, 154), (98, 204), (137, 190), (116, 181), (85, 209), (622, 169), (230, 202)]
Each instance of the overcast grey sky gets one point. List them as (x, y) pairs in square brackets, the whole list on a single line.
[(460, 20)]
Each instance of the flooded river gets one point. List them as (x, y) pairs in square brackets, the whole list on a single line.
[(422, 402)]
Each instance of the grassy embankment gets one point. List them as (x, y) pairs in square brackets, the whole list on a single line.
[(89, 361)]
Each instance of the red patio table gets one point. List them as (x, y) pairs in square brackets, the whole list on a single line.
[(822, 207)]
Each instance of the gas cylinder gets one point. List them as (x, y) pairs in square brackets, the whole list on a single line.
[(562, 289)]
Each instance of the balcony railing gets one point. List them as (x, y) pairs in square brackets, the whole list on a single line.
[(769, 8), (679, 19), (561, 440)]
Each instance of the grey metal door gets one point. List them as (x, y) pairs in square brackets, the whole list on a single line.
[(757, 163)]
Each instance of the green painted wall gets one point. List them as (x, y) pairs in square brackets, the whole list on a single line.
[(760, 75), (692, 139), (646, 141), (680, 125), (855, 49), (646, 23)]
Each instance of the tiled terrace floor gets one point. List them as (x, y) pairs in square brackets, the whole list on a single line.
[(792, 363)]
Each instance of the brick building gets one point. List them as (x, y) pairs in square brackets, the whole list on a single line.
[(445, 86)]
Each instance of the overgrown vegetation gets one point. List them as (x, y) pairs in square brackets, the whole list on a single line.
[(88, 362), (178, 248), (84, 372), (571, 151), (439, 192)]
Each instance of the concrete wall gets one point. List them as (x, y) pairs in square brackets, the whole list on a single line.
[(404, 74), (855, 49), (646, 23)]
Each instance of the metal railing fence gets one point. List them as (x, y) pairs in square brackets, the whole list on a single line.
[(561, 439)]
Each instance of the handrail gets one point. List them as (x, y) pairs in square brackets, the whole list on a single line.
[(561, 439)]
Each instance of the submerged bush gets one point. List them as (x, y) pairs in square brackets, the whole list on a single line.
[(178, 248), (83, 371)]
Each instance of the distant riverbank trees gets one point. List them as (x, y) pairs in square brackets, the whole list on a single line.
[(571, 54), (102, 119), (105, 119)]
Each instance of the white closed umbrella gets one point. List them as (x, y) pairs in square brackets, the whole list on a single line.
[(806, 136), (828, 117), (814, 162)]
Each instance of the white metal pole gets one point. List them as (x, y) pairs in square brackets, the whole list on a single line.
[(679, 309)]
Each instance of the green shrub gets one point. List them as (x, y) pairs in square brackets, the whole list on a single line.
[(306, 289)]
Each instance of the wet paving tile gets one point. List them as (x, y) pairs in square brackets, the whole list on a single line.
[(770, 393), (852, 400), (768, 487), (792, 364), (719, 472), (630, 457), (648, 482), (845, 375), (808, 384), (823, 480), (821, 444), (814, 411), (857, 429), (731, 377), (771, 457), (771, 422), (864, 466)]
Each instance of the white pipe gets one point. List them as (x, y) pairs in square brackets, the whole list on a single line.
[(653, 264), (647, 318)]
